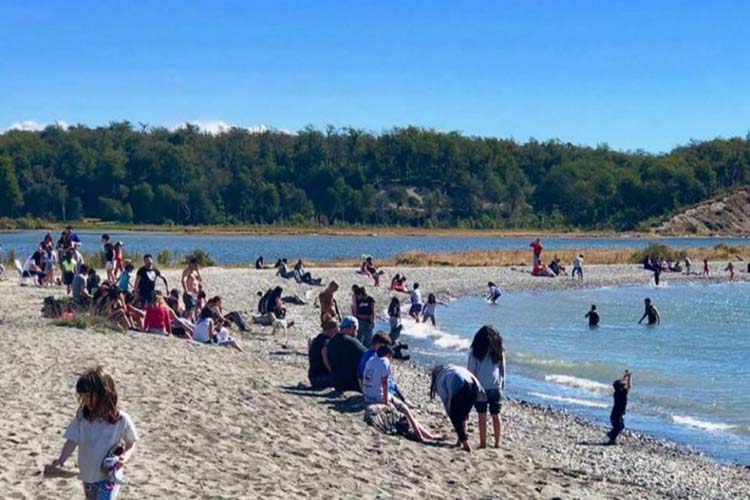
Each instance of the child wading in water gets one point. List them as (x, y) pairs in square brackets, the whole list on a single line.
[(105, 437), (622, 388), (495, 292), (428, 312)]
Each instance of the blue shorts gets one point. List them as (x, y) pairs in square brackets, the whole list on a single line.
[(492, 400), (415, 309)]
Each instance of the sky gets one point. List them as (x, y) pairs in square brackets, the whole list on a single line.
[(632, 74)]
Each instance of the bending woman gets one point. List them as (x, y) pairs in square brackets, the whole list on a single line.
[(459, 390)]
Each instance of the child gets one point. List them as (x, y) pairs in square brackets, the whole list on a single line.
[(578, 268), (109, 258), (124, 280), (487, 364), (93, 281), (98, 430), (416, 302), (730, 269), (429, 309), (593, 317), (705, 268), (394, 316), (622, 388), (495, 292)]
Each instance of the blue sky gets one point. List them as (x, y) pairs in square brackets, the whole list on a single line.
[(634, 74)]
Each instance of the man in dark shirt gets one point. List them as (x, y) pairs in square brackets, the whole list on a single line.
[(342, 354), (318, 373), (622, 388), (145, 281), (593, 317), (109, 258), (651, 312)]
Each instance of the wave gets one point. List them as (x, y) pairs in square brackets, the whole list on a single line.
[(702, 424), (443, 339), (575, 401), (529, 359), (578, 383)]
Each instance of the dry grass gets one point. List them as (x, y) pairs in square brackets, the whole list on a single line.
[(480, 258)]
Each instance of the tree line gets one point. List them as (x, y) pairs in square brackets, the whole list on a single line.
[(407, 176)]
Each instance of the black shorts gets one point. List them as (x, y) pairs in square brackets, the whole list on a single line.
[(67, 277), (493, 400)]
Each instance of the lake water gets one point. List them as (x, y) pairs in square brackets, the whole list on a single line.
[(239, 249), (690, 373)]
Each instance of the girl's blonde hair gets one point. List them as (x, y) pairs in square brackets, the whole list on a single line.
[(101, 386)]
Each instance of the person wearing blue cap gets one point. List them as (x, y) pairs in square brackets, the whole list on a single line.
[(342, 354)]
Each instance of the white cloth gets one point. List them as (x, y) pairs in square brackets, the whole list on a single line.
[(376, 369), (95, 439), (203, 329)]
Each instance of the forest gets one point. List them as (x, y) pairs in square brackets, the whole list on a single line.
[(404, 176)]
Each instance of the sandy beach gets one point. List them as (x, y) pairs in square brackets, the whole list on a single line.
[(215, 423)]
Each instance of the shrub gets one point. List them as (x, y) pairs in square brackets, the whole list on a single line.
[(165, 258), (658, 250), (203, 258)]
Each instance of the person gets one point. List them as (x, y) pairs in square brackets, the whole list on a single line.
[(657, 273), (109, 258), (397, 283), (327, 301), (622, 388), (705, 268), (416, 302), (50, 263), (303, 276), (342, 354), (34, 267), (578, 268), (355, 298), (93, 281), (317, 372), (119, 259), (158, 320), (145, 281), (259, 262), (68, 266), (284, 271), (537, 248), (368, 269), (394, 319), (81, 295), (204, 331), (270, 303), (495, 292), (730, 269), (365, 316), (376, 389), (688, 265), (192, 283), (104, 435), (123, 282), (593, 317), (651, 312), (428, 312), (458, 389), (378, 340), (487, 363)]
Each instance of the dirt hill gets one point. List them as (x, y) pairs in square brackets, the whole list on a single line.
[(726, 215)]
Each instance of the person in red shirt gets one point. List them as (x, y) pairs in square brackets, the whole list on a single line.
[(537, 247), (158, 319)]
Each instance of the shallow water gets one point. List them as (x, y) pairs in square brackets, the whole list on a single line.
[(238, 249), (690, 372)]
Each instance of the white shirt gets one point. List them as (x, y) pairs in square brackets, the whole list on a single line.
[(578, 262), (95, 439), (203, 330), (415, 296), (376, 369)]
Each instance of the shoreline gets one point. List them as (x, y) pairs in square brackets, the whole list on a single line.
[(245, 420)]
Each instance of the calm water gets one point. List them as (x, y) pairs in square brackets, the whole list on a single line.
[(690, 373), (237, 249)]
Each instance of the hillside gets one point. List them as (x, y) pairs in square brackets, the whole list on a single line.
[(726, 215)]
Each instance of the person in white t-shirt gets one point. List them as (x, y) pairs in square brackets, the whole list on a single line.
[(375, 390), (577, 273), (416, 302), (104, 435)]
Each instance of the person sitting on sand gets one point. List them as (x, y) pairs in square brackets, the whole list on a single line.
[(378, 340), (556, 267), (342, 354), (271, 303), (145, 282), (93, 280), (398, 283), (104, 435), (284, 272), (730, 269), (259, 263), (318, 372), (487, 363), (303, 276), (136, 315), (459, 390), (593, 317), (81, 295), (327, 301), (192, 283), (416, 302), (495, 292), (365, 316), (376, 383), (158, 320), (34, 267), (622, 388), (428, 311), (651, 312), (542, 270), (209, 330)]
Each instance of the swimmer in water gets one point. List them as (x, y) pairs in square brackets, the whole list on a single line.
[(651, 312), (593, 317)]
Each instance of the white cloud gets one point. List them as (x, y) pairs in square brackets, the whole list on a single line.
[(34, 126), (215, 127)]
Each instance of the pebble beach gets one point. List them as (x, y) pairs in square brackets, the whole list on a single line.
[(216, 423)]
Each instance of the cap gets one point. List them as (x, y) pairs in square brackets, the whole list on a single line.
[(349, 322)]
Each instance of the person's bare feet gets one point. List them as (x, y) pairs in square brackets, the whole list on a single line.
[(466, 447), (482, 446)]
